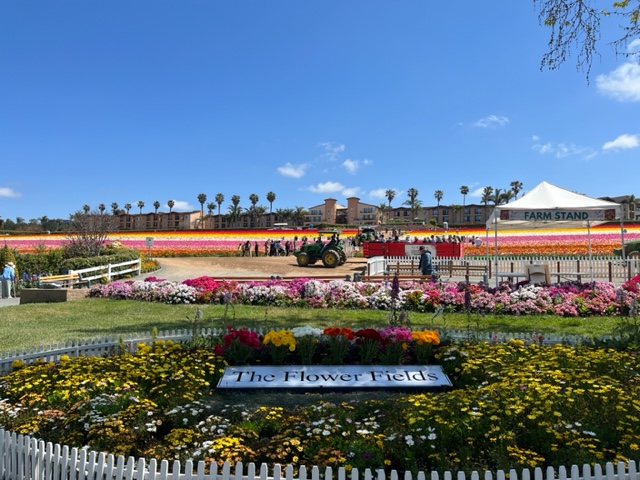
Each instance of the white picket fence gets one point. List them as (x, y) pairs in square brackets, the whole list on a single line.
[(26, 458), (108, 345), (612, 269)]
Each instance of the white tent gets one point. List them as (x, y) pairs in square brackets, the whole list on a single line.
[(547, 206)]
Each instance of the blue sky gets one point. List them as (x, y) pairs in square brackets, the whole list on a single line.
[(148, 100)]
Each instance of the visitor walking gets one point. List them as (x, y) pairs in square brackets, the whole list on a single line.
[(8, 277)]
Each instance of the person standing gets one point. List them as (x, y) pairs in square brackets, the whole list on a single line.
[(426, 264), (8, 277)]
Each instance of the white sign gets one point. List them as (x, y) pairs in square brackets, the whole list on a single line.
[(558, 215), (335, 376)]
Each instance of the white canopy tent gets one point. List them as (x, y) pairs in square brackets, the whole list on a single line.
[(547, 206)]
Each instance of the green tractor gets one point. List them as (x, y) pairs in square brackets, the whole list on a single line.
[(631, 249), (331, 253)]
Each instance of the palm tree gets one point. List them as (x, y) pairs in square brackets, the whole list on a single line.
[(140, 205), (127, 207), (156, 206), (464, 190), (260, 211), (234, 211), (253, 198), (86, 208), (438, 194), (219, 200), (455, 209), (413, 203), (298, 215), (516, 187), (210, 208), (235, 207), (486, 195), (102, 208), (201, 199), (114, 208), (170, 204), (271, 197), (390, 194), (507, 196)]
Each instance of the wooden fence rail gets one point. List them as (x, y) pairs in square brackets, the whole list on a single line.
[(26, 458)]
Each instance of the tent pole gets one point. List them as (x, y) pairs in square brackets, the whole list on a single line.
[(589, 249), (495, 251), (624, 260)]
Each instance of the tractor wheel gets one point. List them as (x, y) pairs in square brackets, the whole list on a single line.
[(343, 257), (331, 259), (303, 259)]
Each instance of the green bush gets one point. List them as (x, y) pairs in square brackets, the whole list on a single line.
[(118, 256)]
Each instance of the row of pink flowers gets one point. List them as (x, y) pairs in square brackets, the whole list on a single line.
[(591, 299)]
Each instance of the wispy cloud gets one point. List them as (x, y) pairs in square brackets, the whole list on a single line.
[(9, 193), (331, 150), (352, 166), (335, 187), (492, 121), (562, 150), (623, 83), (293, 171), (327, 187), (623, 142), (378, 193)]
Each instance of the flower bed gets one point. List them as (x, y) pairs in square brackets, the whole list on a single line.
[(513, 406), (567, 299), (552, 241)]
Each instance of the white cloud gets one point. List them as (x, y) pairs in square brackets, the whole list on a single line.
[(623, 142), (293, 171), (327, 187), (562, 150), (623, 83), (378, 193), (352, 166), (182, 206), (9, 192), (492, 121), (351, 192), (477, 193), (331, 150)]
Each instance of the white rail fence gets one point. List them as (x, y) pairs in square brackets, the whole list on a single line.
[(26, 458), (87, 275), (108, 345), (613, 269)]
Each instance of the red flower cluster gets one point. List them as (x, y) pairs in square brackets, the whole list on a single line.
[(244, 337), (337, 331), (368, 334)]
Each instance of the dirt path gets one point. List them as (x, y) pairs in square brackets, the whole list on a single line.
[(180, 268)]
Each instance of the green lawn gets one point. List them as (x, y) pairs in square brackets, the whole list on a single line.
[(35, 325)]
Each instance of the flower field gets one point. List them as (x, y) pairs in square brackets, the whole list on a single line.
[(225, 242), (513, 405)]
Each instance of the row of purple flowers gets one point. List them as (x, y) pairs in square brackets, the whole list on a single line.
[(565, 299)]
